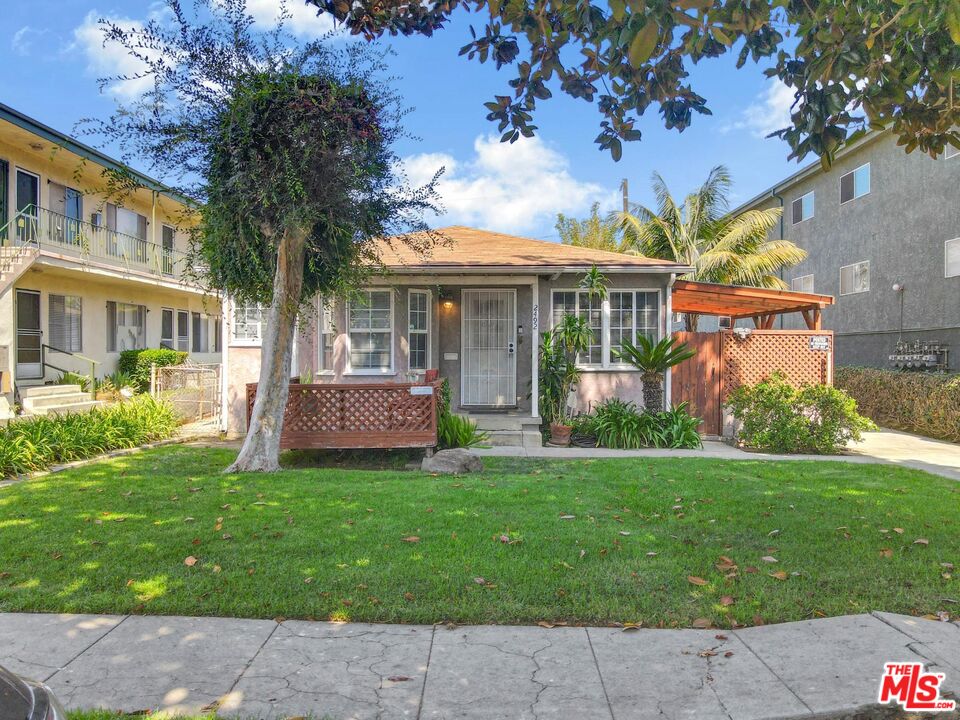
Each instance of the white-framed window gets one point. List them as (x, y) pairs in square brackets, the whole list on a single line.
[(183, 330), (126, 326), (166, 328), (677, 318), (217, 334), (951, 258), (803, 284), (855, 278), (248, 324), (66, 316), (724, 322), (624, 314), (802, 208), (201, 332), (370, 332), (588, 307), (632, 313), (855, 183), (418, 327), (327, 335)]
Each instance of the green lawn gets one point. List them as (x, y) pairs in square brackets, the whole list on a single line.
[(527, 541)]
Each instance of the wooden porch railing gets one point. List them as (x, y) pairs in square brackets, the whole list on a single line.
[(357, 415)]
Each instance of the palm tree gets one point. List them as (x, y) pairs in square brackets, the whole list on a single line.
[(700, 232), (652, 359), (596, 232)]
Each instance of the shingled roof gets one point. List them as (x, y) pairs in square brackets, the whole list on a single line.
[(464, 249)]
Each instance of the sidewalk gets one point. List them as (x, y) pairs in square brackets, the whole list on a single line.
[(260, 668), (886, 447)]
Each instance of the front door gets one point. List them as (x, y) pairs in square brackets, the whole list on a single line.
[(489, 348), (28, 204), (29, 357)]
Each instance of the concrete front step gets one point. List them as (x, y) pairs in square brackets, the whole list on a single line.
[(32, 404), (46, 390), (65, 408)]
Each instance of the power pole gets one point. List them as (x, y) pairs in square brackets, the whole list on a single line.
[(626, 196)]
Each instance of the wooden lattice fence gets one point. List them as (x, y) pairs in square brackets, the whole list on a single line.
[(357, 415), (804, 356)]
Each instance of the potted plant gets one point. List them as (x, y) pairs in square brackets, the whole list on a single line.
[(652, 359), (559, 372)]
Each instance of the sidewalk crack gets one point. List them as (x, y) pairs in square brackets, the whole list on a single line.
[(426, 672), (64, 666), (246, 667), (603, 684), (772, 672)]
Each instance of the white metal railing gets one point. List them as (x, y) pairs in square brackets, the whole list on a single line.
[(49, 230)]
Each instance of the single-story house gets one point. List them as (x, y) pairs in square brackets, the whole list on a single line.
[(473, 307)]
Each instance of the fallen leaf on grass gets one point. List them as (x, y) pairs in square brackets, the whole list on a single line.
[(921, 541), (694, 580), (702, 623), (898, 531), (886, 552), (769, 559), (727, 601), (779, 575), (567, 517), (411, 539), (409, 596), (625, 532), (190, 561)]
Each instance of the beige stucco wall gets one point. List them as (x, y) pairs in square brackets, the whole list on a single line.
[(95, 292)]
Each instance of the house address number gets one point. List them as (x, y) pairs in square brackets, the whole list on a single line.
[(819, 342)]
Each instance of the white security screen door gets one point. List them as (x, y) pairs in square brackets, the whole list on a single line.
[(489, 343), (29, 337)]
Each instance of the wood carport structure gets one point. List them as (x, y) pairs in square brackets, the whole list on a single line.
[(762, 305)]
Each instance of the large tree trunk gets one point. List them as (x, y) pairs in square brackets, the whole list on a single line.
[(261, 448)]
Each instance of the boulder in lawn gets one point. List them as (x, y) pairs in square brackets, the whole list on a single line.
[(452, 462)]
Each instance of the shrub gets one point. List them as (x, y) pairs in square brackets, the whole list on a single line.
[(39, 442), (776, 416), (457, 431), (921, 403), (136, 363), (618, 424), (72, 378)]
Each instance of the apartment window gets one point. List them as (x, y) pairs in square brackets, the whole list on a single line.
[(804, 284), (855, 184), (855, 278), (951, 258), (66, 312), (623, 315), (632, 313), (217, 334), (370, 319), (183, 330), (126, 326), (725, 322), (803, 208), (168, 238), (248, 323), (327, 335), (590, 308), (166, 328), (418, 311), (201, 333)]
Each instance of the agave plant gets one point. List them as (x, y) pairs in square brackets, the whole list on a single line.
[(653, 359)]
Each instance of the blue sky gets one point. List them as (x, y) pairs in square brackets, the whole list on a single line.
[(53, 55)]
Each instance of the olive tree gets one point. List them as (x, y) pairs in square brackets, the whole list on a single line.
[(286, 150)]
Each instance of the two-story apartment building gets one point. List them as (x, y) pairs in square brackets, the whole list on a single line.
[(85, 272), (882, 233)]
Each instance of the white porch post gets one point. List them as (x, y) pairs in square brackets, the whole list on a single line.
[(226, 309), (668, 325), (534, 346)]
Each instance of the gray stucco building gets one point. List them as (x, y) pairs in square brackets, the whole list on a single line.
[(882, 233)]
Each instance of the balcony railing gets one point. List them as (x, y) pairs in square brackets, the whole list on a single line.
[(51, 231)]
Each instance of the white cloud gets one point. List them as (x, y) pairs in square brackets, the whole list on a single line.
[(303, 20), (110, 59), (510, 188), (769, 112), (22, 41)]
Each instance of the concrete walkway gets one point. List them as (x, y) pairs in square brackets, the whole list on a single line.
[(260, 668), (886, 446)]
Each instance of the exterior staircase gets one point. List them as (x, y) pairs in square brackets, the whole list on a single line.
[(509, 429), (56, 399), (14, 262)]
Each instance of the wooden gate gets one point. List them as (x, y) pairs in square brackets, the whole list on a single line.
[(697, 381)]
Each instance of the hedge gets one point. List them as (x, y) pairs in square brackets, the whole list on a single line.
[(136, 363), (922, 403), (37, 443)]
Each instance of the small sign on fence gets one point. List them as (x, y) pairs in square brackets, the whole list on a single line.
[(819, 342), (421, 390)]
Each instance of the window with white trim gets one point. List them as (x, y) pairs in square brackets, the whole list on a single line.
[(166, 328), (951, 258), (126, 326), (66, 313), (327, 335), (624, 314), (804, 284), (588, 307), (855, 278), (370, 321), (201, 333), (802, 208), (248, 323), (418, 321), (632, 313), (855, 184), (183, 330)]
